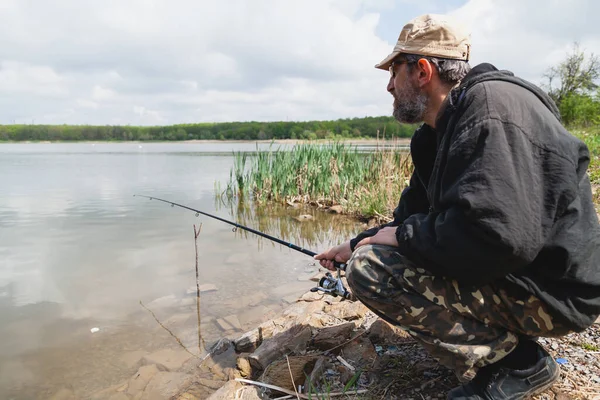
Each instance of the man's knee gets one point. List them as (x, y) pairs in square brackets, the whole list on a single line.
[(369, 269)]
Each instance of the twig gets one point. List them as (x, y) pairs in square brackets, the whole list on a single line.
[(291, 375), (350, 367), (168, 330), (300, 395), (200, 340)]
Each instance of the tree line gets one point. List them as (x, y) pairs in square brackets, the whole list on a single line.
[(571, 84), (368, 127)]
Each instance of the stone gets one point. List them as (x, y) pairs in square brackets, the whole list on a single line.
[(294, 340), (243, 366), (207, 287), (329, 337), (163, 302), (210, 383), (312, 296), (347, 310), (336, 209), (360, 352), (290, 299), (381, 332), (132, 358), (119, 396), (303, 217), (64, 394), (140, 380), (280, 372), (234, 321), (168, 359), (235, 390), (165, 385), (224, 325)]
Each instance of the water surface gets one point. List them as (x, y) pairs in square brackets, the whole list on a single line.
[(78, 251)]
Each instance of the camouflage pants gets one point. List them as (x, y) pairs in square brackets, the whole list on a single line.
[(462, 327)]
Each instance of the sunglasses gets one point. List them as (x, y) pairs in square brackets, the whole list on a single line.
[(395, 64)]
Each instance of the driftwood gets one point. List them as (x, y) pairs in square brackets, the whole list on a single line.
[(293, 340)]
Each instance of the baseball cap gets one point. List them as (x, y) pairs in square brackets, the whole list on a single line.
[(431, 35)]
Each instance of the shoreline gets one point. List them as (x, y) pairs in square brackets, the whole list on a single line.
[(193, 141)]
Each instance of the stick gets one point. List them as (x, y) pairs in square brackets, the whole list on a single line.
[(200, 340), (291, 375), (168, 330)]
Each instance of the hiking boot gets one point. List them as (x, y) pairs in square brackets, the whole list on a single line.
[(498, 381)]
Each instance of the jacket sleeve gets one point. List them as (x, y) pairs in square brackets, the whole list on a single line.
[(413, 200), (493, 202)]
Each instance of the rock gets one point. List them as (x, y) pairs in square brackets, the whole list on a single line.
[(303, 217), (165, 385), (330, 337), (312, 296), (381, 332), (294, 339), (249, 341), (224, 325), (207, 287), (360, 351), (163, 302), (64, 394), (132, 358), (254, 315), (234, 321), (140, 380), (235, 390), (278, 372), (119, 396), (244, 367), (187, 396), (320, 366), (337, 209), (167, 359), (210, 383), (348, 311)]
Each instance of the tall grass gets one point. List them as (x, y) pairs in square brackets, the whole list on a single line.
[(365, 184)]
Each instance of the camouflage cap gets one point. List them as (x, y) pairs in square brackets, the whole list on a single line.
[(431, 35)]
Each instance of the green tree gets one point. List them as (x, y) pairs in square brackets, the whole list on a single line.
[(575, 75)]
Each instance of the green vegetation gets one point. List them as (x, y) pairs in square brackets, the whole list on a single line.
[(364, 184), (369, 127), (590, 347)]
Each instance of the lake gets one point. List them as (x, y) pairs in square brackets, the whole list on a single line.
[(83, 261)]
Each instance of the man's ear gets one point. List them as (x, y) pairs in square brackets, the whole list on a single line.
[(425, 72)]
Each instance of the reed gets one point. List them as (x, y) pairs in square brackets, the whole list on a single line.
[(365, 184)]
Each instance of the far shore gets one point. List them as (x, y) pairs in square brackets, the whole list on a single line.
[(277, 141)]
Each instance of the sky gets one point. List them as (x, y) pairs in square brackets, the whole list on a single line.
[(162, 62)]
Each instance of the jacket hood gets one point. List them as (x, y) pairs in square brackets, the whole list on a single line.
[(483, 73)]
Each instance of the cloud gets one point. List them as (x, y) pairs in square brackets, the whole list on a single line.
[(84, 61)]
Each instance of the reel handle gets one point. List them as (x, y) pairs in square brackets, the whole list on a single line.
[(340, 266)]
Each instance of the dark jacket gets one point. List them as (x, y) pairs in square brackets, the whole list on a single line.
[(500, 195)]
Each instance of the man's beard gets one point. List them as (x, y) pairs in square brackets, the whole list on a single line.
[(410, 103)]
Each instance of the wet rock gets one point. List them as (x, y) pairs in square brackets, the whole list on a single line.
[(303, 217), (167, 359), (132, 358), (330, 337), (163, 302), (235, 390), (312, 296), (337, 209), (224, 325), (234, 321), (64, 394), (140, 380), (165, 385), (119, 396)]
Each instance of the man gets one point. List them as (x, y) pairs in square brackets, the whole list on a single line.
[(495, 240)]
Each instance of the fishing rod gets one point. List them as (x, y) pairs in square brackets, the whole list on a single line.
[(328, 284)]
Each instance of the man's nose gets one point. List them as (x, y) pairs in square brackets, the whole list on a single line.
[(390, 85)]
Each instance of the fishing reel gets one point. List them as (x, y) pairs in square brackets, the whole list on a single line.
[(333, 286)]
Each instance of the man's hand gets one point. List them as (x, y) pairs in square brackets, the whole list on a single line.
[(340, 253), (385, 235)]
